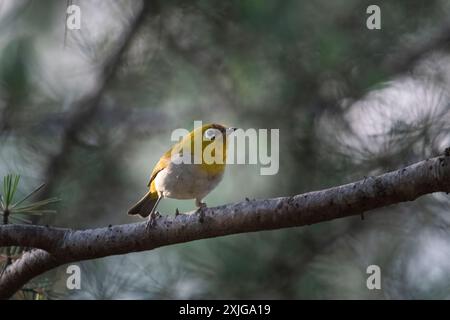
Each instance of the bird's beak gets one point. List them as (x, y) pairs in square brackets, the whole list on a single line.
[(230, 130)]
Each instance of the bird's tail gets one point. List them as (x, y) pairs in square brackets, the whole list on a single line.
[(145, 206)]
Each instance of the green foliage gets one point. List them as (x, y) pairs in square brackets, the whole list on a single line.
[(17, 211), (19, 208)]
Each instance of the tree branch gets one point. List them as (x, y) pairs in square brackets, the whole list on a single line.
[(57, 246)]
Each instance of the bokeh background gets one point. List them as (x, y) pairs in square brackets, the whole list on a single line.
[(90, 111)]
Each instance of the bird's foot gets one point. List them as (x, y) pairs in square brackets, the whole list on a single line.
[(201, 212), (199, 203), (151, 221)]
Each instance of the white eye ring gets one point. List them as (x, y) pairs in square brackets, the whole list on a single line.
[(211, 134)]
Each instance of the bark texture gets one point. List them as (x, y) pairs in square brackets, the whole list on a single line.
[(58, 246)]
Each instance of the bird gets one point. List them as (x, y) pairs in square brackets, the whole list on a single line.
[(186, 171)]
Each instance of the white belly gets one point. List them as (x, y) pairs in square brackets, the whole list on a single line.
[(185, 181)]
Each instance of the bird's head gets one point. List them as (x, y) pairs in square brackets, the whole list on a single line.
[(211, 140)]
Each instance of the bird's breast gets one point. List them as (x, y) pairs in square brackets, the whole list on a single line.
[(188, 181)]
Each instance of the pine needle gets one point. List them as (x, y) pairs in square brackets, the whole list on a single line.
[(10, 187)]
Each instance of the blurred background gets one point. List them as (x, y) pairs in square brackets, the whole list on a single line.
[(90, 111)]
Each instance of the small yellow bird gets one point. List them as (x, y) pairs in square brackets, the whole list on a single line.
[(186, 171)]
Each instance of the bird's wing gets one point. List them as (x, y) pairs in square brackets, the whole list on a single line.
[(167, 157), (161, 165)]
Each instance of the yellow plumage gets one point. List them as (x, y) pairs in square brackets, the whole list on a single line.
[(187, 180)]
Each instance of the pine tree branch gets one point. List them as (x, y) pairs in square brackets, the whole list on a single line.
[(58, 246)]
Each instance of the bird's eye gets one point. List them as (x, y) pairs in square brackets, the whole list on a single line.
[(211, 134)]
